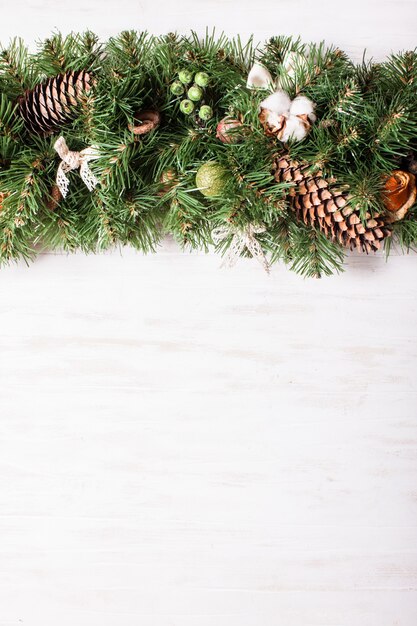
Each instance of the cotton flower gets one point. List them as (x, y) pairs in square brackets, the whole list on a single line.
[(279, 102), (285, 119), (303, 106), (295, 129)]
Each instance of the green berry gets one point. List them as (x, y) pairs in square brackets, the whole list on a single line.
[(202, 79), (187, 107), (185, 76), (205, 112), (195, 93), (177, 88)]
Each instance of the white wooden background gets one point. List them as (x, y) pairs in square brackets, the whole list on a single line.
[(184, 446)]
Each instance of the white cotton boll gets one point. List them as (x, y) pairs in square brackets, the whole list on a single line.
[(274, 119), (302, 106), (294, 129), (278, 102), (259, 78)]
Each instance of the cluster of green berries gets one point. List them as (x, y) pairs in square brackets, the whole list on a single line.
[(194, 86)]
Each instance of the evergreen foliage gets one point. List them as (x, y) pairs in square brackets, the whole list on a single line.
[(366, 127)]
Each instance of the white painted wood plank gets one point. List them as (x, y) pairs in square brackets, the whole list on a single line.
[(186, 445), (380, 27)]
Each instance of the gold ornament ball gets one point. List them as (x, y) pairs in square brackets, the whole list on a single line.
[(210, 179)]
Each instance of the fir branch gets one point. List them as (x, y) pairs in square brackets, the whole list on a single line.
[(366, 127), (16, 69), (312, 254)]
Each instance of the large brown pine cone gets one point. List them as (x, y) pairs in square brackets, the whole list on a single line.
[(318, 204), (52, 103)]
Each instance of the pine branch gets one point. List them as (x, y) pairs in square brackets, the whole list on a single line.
[(366, 127)]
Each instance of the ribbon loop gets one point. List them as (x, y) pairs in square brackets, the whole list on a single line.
[(72, 160), (242, 238)]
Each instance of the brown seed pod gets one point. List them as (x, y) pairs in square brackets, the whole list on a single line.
[(148, 120), (399, 194)]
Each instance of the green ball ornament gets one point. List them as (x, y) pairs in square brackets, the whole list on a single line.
[(186, 107), (185, 76), (205, 113), (177, 88), (210, 179), (195, 93), (202, 79)]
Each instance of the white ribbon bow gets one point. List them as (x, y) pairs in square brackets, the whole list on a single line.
[(71, 160), (242, 238)]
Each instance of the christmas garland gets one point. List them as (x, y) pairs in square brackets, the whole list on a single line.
[(285, 151)]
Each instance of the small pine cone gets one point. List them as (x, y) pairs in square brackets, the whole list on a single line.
[(320, 206), (54, 199), (50, 104)]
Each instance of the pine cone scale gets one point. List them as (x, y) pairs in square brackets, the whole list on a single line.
[(68, 92)]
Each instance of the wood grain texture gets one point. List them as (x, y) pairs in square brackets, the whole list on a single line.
[(379, 27), (187, 446)]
